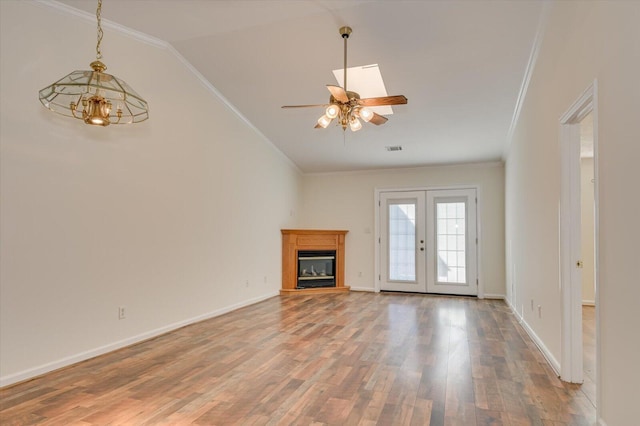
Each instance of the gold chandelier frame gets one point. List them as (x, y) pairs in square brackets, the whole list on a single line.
[(94, 96)]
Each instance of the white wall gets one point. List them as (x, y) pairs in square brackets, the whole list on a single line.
[(169, 217), (587, 211), (583, 41), (346, 201)]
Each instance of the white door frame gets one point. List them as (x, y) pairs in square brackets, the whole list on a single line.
[(376, 209), (570, 234)]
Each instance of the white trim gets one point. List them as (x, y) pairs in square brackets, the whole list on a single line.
[(528, 73), (424, 188), (495, 296), (551, 360), (92, 353), (498, 163), (376, 240), (596, 177), (581, 107), (91, 17), (479, 270), (366, 289), (570, 237)]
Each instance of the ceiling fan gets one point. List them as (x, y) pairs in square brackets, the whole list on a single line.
[(347, 106)]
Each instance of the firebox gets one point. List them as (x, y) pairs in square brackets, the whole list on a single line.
[(316, 269)]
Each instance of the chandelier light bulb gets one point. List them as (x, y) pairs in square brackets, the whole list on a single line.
[(332, 111), (355, 124), (324, 121), (366, 114)]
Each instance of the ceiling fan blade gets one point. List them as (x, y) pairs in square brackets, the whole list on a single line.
[(382, 101), (378, 119), (338, 93), (304, 106)]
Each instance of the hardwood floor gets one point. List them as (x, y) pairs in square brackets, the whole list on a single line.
[(335, 359)]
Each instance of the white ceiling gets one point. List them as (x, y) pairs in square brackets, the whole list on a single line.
[(460, 63)]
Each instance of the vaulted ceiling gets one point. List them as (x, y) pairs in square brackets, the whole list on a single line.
[(461, 64)]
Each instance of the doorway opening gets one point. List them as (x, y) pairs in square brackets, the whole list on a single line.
[(579, 244), (587, 241)]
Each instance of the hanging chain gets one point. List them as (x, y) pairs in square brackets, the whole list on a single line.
[(100, 33)]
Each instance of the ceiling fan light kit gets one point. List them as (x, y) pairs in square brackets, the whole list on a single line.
[(347, 107), (324, 121), (332, 111), (90, 96), (355, 124)]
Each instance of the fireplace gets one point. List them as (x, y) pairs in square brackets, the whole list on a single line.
[(313, 261), (316, 268)]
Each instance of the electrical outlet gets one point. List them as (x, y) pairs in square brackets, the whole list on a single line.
[(122, 312), (532, 304), (539, 311)]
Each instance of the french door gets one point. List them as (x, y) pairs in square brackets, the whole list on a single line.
[(428, 241), (402, 239)]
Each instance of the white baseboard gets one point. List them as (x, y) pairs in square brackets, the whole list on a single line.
[(589, 302), (92, 353), (551, 360), (369, 289), (495, 296), (513, 310)]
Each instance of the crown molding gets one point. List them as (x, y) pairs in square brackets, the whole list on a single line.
[(528, 73), (137, 35)]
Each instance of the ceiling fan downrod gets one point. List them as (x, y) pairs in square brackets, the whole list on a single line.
[(345, 32)]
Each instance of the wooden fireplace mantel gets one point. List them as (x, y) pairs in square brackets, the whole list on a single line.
[(294, 240)]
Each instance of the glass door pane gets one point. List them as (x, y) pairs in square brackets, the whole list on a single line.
[(402, 242), (451, 242)]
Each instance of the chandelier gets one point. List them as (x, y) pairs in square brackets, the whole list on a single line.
[(94, 96)]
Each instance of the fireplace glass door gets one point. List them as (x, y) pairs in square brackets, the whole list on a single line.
[(316, 269)]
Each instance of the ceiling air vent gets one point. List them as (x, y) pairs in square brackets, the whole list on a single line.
[(393, 148)]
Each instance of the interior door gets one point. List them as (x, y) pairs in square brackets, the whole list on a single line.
[(452, 242), (402, 241)]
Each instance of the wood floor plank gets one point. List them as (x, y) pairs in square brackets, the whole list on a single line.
[(334, 359)]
